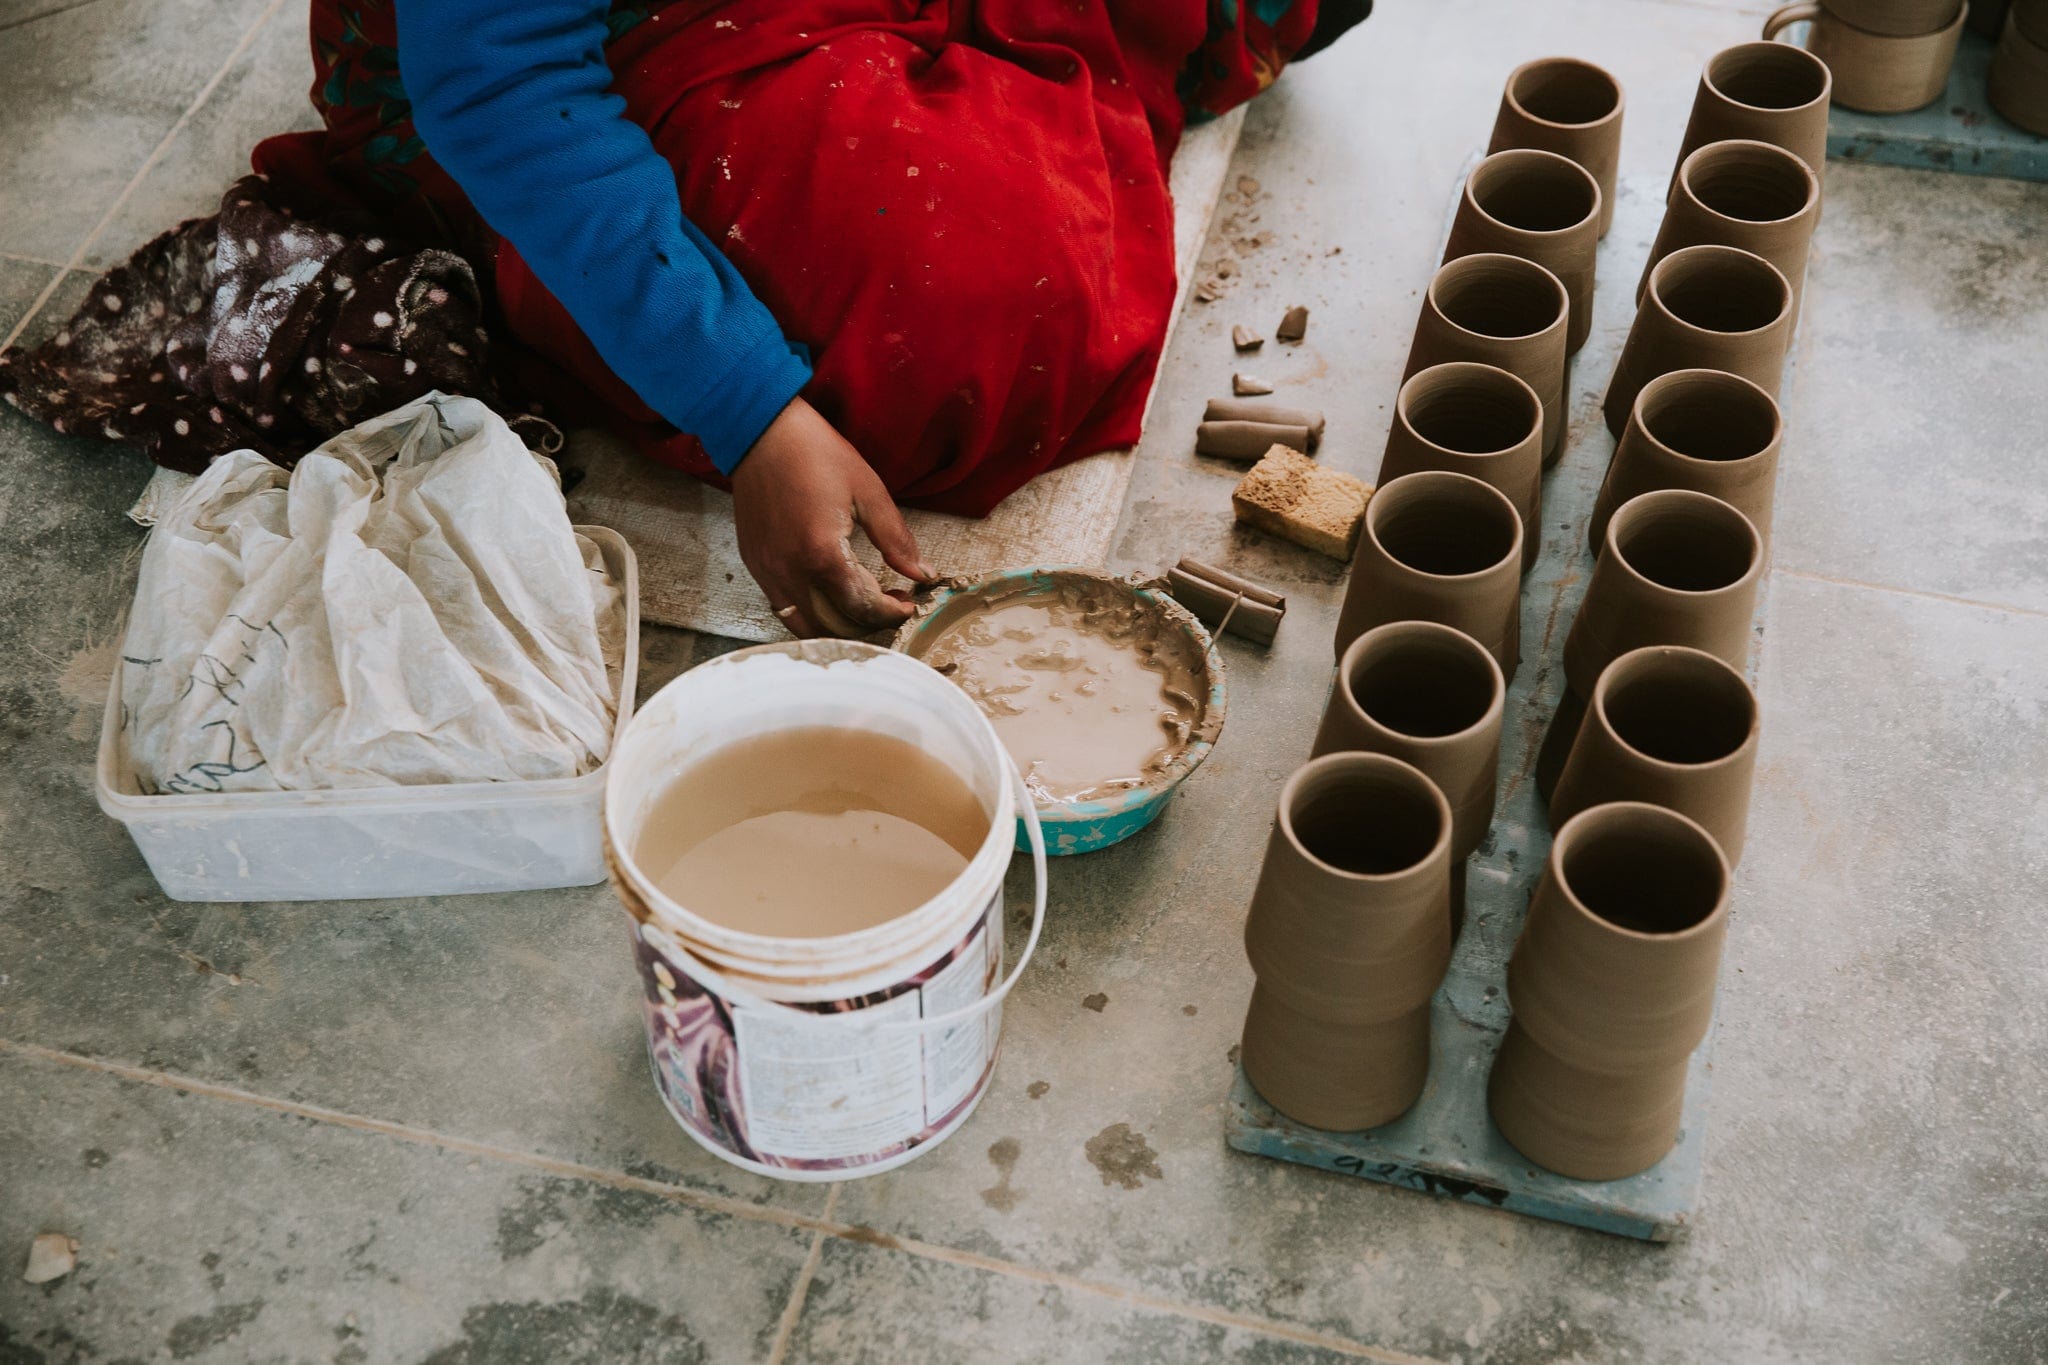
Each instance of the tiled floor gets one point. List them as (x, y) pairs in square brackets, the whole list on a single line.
[(423, 1130)]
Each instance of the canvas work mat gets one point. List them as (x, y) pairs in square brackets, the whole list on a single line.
[(682, 530)]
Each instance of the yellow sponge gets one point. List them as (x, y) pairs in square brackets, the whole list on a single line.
[(1291, 495)]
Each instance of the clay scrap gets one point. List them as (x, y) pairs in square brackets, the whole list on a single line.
[(1270, 414), (1245, 339), (1289, 495), (1249, 385), (1221, 600), (1249, 440), (1294, 326), (51, 1256)]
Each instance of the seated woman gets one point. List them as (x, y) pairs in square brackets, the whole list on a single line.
[(832, 254)]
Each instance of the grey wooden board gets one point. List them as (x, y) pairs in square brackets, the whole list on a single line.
[(1446, 1144), (1959, 132)]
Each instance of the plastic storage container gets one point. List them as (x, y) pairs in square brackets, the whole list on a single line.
[(443, 840)]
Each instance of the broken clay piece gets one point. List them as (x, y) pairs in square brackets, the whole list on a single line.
[(1294, 326), (1289, 495), (51, 1256), (1245, 339), (1249, 440), (1249, 385), (1223, 601), (1272, 414)]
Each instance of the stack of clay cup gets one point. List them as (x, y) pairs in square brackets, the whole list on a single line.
[(1887, 56), (2019, 69)]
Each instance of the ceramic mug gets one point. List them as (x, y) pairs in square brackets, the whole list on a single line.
[(1895, 18), (2019, 78), (1876, 73)]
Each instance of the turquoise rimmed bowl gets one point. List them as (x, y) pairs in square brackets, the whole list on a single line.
[(1085, 826)]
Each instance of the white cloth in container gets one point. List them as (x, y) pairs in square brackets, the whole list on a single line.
[(409, 605)]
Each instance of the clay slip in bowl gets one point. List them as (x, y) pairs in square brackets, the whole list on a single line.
[(1085, 826)]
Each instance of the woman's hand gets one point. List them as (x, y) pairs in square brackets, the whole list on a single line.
[(797, 496)]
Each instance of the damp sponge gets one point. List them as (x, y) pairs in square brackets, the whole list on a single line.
[(1290, 495)]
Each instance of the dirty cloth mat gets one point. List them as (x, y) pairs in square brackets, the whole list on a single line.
[(682, 531)]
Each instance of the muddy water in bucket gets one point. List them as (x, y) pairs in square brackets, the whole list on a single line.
[(811, 840), (811, 832)]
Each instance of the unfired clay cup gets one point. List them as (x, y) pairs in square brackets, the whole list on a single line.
[(1898, 18), (1706, 430), (2019, 77), (1744, 194), (1677, 568), (1766, 92), (1672, 726), (1707, 308), (1876, 73), (1541, 206), (1500, 310), (1612, 984), (1473, 419), (1442, 547), (1349, 935), (1567, 106), (1431, 696)]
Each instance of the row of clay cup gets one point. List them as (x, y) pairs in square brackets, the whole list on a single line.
[(1612, 978)]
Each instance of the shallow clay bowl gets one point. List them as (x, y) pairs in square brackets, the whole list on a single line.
[(1085, 826)]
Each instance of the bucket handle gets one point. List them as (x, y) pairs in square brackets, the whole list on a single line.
[(737, 995)]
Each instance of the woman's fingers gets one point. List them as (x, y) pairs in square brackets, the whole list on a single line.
[(846, 599), (878, 515)]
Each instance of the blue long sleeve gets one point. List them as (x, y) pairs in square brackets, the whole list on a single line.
[(514, 99)]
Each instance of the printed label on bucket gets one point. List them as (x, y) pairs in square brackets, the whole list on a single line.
[(799, 1092)]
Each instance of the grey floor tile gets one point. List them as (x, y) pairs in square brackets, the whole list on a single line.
[(20, 283), (867, 1305), (209, 1231), (1926, 320), (90, 93), (263, 93)]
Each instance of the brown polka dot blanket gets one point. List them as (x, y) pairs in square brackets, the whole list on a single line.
[(260, 328)]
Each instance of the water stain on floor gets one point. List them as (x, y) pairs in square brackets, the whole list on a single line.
[(1002, 1154), (1123, 1157)]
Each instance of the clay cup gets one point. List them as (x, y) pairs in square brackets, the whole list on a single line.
[(1762, 92), (1706, 430), (1707, 308), (1612, 984), (1897, 18), (1431, 696), (1441, 547), (1473, 419), (1672, 726), (1877, 73), (1746, 194), (1540, 206), (1500, 310), (1567, 106), (2019, 76), (1349, 934)]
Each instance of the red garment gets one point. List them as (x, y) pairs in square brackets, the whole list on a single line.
[(959, 206)]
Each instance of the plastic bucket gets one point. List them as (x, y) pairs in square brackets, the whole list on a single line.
[(819, 1058)]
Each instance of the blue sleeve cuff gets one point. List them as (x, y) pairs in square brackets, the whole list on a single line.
[(752, 393)]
